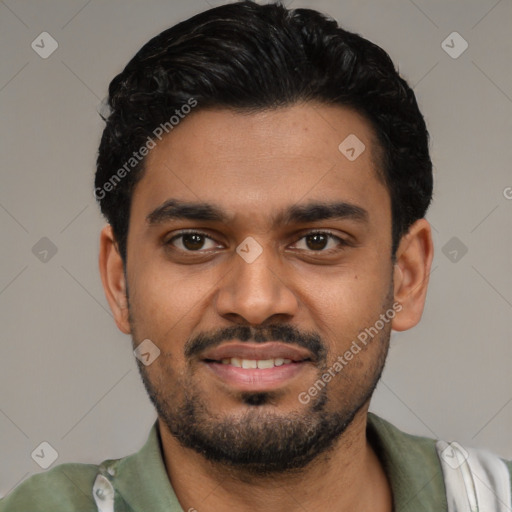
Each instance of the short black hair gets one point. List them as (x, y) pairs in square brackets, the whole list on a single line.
[(249, 57)]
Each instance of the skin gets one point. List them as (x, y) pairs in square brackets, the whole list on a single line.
[(253, 166)]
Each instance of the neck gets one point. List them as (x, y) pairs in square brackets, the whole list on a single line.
[(348, 478)]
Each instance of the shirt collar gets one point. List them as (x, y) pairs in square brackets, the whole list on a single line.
[(141, 479), (410, 462), (412, 466)]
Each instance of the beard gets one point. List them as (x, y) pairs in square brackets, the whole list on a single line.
[(261, 441)]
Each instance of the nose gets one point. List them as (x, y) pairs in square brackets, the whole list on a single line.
[(255, 292)]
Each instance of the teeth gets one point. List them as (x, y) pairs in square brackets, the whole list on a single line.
[(255, 363)]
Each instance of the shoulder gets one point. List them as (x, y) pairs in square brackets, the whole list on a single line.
[(508, 463), (390, 438), (425, 467), (410, 461), (65, 488)]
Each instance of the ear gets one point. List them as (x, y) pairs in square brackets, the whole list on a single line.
[(113, 279), (411, 274)]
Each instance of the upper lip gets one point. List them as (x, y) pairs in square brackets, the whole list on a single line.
[(258, 351)]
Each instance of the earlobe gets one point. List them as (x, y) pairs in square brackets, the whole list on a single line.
[(411, 274), (113, 279)]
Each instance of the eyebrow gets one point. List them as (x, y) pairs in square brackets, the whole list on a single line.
[(174, 209)]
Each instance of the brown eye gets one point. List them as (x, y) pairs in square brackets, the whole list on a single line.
[(317, 241), (320, 241), (191, 241)]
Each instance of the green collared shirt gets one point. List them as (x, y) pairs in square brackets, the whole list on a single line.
[(141, 483)]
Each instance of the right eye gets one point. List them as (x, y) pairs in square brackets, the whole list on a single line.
[(190, 241)]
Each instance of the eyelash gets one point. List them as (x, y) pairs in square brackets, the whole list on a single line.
[(331, 236)]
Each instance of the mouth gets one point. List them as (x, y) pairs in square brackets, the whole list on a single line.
[(260, 367), (261, 364)]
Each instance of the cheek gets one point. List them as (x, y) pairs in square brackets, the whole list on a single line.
[(166, 300), (346, 297), (343, 307)]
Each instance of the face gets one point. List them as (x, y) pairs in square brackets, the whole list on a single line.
[(254, 241)]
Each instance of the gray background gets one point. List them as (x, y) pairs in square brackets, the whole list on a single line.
[(68, 377)]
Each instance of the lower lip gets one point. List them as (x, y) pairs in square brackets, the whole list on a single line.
[(254, 379)]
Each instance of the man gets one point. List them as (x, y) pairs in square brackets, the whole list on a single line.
[(265, 175)]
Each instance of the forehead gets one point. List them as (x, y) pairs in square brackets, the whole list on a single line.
[(254, 163)]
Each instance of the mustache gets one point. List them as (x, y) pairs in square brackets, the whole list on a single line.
[(278, 332)]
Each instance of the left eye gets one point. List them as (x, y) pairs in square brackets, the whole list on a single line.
[(319, 240)]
